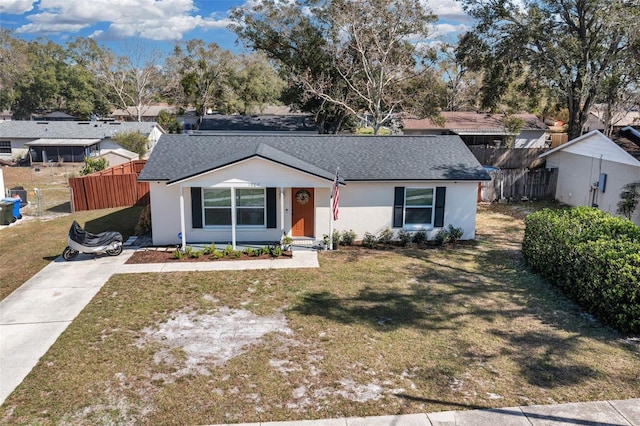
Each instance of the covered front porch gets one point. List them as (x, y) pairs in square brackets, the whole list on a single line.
[(242, 215)]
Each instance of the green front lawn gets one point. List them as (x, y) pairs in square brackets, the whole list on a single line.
[(368, 333)]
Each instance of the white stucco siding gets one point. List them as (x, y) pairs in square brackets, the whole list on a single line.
[(254, 173), (577, 173), (368, 207), (364, 206), (165, 213)]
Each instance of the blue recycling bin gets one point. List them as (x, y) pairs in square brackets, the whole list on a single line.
[(16, 206)]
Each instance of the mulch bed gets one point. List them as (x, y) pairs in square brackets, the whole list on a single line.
[(162, 256)]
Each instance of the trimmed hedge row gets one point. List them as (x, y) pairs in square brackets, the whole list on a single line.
[(593, 257)]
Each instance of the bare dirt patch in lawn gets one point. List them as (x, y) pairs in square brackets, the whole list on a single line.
[(208, 338)]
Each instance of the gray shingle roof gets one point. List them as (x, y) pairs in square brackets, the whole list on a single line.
[(69, 129), (360, 158)]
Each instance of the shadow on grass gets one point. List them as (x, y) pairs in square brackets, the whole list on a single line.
[(384, 310), (123, 221), (61, 208)]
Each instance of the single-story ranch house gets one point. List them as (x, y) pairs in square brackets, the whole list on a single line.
[(257, 188), (68, 141), (477, 128)]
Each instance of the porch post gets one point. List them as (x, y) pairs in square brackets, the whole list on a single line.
[(233, 217), (183, 229), (282, 210)]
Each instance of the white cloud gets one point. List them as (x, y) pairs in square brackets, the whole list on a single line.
[(16, 7), (447, 9), (444, 29), (150, 19)]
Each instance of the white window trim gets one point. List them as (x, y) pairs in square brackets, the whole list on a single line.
[(419, 226), (234, 210)]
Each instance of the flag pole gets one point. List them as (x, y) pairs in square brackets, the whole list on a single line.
[(331, 196)]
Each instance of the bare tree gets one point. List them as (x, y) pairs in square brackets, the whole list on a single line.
[(370, 51), (132, 80)]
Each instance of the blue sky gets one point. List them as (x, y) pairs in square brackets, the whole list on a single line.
[(160, 23)]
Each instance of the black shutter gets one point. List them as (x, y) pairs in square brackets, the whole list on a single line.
[(271, 208), (398, 207), (438, 221), (196, 207)]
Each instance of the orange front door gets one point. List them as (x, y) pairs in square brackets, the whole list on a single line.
[(302, 212)]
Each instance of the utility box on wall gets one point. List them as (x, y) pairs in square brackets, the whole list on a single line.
[(602, 182)]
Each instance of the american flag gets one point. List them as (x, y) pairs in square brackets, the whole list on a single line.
[(335, 197)]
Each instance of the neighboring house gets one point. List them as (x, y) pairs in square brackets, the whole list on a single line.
[(592, 169), (118, 156), (477, 128), (242, 187), (68, 141), (149, 113), (54, 116), (258, 123), (620, 120)]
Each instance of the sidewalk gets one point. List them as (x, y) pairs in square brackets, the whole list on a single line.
[(604, 413), (35, 315)]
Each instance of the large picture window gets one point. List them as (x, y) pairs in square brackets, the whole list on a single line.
[(250, 206), (418, 206)]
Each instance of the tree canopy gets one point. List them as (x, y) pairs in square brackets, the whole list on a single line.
[(571, 45), (362, 57)]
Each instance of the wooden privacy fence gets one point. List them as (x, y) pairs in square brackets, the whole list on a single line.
[(505, 158), (134, 167), (520, 184), (110, 188)]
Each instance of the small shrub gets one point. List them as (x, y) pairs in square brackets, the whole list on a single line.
[(335, 237), (257, 252), (144, 221), (456, 233), (93, 164), (209, 249), (236, 253), (249, 251), (188, 250), (369, 240), (385, 236), (196, 254), (348, 237), (217, 254), (276, 252), (420, 237), (228, 249), (405, 237), (178, 254), (448, 235)]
